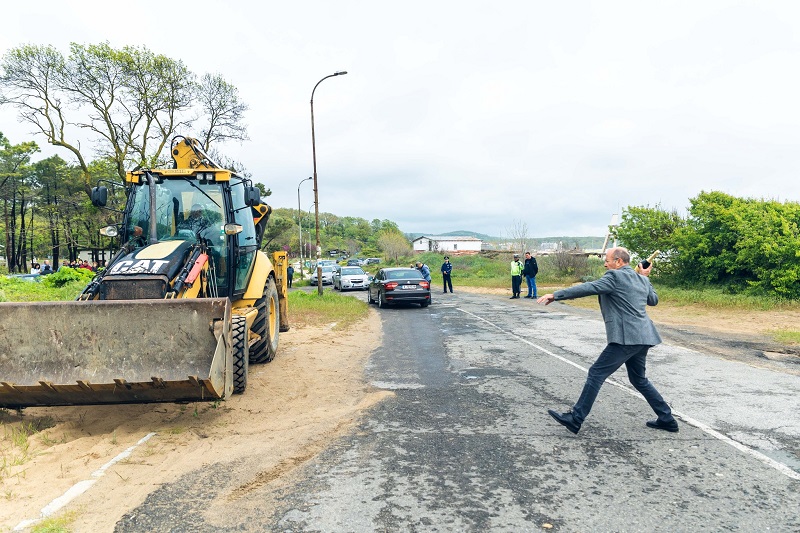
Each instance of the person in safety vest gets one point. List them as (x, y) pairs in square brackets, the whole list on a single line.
[(516, 276)]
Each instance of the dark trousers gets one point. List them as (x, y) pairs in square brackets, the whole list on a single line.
[(289, 281), (447, 282), (516, 283), (613, 357)]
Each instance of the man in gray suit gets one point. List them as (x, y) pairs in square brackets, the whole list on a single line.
[(624, 296)]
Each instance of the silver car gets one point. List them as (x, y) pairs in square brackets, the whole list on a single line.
[(327, 275), (350, 277)]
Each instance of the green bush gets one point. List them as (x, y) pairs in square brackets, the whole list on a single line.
[(67, 275), (740, 245)]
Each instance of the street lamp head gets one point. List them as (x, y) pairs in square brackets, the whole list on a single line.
[(340, 73)]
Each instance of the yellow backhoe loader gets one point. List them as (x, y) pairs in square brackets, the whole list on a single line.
[(182, 309)]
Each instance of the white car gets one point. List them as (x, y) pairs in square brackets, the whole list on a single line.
[(327, 275), (350, 277)]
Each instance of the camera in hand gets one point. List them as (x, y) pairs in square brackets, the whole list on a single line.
[(644, 265)]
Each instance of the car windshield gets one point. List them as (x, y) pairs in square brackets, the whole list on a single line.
[(352, 272), (328, 268), (403, 274)]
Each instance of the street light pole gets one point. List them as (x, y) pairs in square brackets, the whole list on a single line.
[(300, 224), (316, 191)]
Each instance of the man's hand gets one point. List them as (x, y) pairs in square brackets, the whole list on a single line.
[(547, 299), (644, 271)]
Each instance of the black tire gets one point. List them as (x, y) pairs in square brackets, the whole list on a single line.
[(240, 358), (267, 325), (369, 297), (381, 302), (425, 304)]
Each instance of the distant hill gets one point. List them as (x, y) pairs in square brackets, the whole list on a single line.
[(459, 233), (586, 243)]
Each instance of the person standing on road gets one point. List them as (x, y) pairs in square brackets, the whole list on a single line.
[(447, 268), (624, 296), (529, 271), (516, 277), (289, 276), (426, 275)]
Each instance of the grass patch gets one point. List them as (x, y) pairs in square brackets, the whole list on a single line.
[(311, 309), (714, 298), (785, 336), (16, 290), (56, 524)]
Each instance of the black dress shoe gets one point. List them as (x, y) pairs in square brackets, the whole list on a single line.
[(672, 426), (565, 420)]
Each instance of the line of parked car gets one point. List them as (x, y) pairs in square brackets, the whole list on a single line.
[(388, 286)]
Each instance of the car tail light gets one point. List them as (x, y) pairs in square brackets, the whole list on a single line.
[(424, 284), (390, 286)]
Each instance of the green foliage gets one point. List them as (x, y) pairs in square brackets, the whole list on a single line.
[(742, 245), (353, 235), (643, 230), (67, 275)]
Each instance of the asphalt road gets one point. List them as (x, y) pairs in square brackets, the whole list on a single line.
[(466, 443)]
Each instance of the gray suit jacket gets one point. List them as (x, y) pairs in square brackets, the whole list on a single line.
[(624, 296)]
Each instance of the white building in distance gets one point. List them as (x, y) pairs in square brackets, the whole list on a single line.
[(447, 244)]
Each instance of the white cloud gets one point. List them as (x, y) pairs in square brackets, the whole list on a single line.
[(469, 115)]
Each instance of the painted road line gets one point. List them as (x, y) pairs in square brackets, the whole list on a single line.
[(79, 488), (769, 461)]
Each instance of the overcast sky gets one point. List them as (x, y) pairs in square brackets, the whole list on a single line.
[(465, 115)]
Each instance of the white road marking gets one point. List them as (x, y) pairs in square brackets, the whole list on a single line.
[(769, 461), (79, 488)]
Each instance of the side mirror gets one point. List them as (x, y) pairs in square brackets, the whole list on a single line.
[(99, 196), (252, 196), (233, 229)]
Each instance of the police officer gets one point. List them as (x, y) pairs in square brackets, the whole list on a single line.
[(516, 277), (446, 269)]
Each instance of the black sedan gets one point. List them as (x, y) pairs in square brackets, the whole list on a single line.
[(399, 285)]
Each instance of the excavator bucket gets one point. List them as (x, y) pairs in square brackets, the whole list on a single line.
[(103, 351)]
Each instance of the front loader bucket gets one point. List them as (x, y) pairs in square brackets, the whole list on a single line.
[(103, 351)]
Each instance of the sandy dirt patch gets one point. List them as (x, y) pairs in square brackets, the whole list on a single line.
[(293, 407)]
